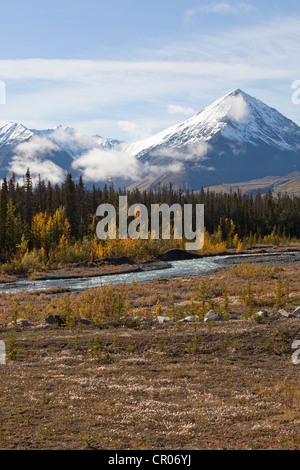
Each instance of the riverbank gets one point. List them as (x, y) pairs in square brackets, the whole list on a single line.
[(179, 294), (130, 382), (123, 265)]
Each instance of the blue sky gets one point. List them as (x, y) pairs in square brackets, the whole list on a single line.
[(127, 69)]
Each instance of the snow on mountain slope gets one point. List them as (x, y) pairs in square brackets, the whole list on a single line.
[(42, 149), (237, 138), (12, 133), (76, 142), (238, 117)]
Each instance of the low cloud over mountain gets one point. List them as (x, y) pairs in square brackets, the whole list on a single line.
[(237, 138)]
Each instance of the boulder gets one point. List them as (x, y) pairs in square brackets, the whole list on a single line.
[(296, 313), (189, 319), (84, 321), (21, 322), (162, 319), (263, 313), (283, 313), (53, 320), (177, 254), (212, 316), (275, 316)]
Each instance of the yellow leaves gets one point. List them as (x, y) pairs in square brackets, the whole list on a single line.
[(239, 246), (104, 305), (63, 241), (22, 248), (210, 246), (40, 228), (158, 309), (47, 230), (99, 251)]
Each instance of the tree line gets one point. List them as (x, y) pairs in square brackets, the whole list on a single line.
[(40, 216)]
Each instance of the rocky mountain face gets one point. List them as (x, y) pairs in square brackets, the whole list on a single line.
[(236, 139)]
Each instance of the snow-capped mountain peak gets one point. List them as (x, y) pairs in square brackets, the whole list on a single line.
[(13, 133), (237, 116), (236, 138)]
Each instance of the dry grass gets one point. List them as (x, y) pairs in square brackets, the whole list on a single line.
[(146, 388), (229, 385), (173, 294)]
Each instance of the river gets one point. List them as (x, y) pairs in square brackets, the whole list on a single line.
[(192, 267)]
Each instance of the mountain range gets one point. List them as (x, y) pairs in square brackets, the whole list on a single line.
[(236, 141)]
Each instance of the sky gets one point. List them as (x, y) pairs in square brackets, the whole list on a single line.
[(127, 69)]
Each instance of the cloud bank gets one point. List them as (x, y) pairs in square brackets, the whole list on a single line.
[(190, 152), (194, 72), (31, 155), (100, 165)]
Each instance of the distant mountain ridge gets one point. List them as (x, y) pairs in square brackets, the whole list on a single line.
[(289, 184), (21, 147), (236, 139)]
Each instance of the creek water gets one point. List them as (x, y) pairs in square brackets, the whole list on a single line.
[(192, 267)]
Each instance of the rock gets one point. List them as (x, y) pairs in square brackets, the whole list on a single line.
[(53, 320), (21, 322), (275, 316), (145, 319), (150, 265), (177, 254), (189, 319), (162, 319), (84, 321), (99, 262), (283, 313), (296, 313), (212, 316), (263, 313)]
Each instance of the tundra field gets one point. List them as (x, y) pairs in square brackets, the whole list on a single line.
[(142, 375)]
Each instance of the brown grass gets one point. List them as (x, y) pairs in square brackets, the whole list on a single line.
[(172, 293), (229, 385), (147, 388)]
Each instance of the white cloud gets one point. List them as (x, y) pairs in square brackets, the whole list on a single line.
[(31, 155), (130, 127), (239, 108), (121, 162), (105, 93), (36, 146), (220, 8), (99, 165), (177, 109), (238, 149), (62, 136), (158, 170), (135, 132), (190, 152)]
